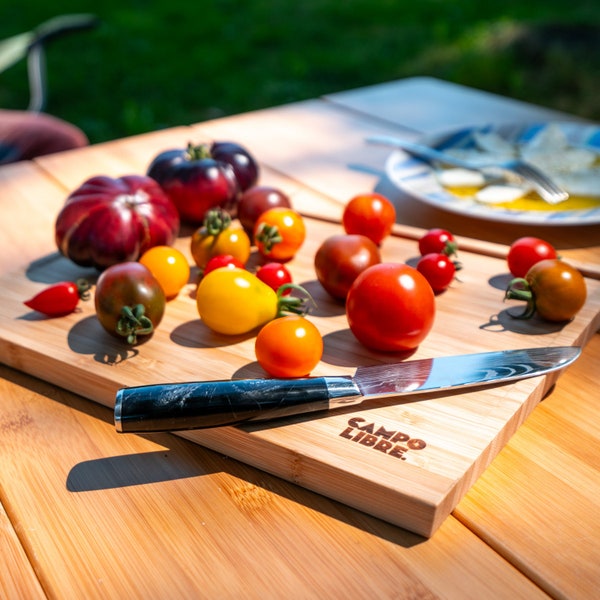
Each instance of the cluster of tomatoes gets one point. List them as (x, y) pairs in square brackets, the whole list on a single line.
[(126, 228), (550, 287)]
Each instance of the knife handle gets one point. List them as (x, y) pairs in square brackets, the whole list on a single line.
[(197, 405)]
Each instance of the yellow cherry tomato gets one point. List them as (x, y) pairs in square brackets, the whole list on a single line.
[(169, 267), (290, 346), (235, 301), (219, 236)]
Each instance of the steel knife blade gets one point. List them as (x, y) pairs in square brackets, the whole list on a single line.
[(202, 404)]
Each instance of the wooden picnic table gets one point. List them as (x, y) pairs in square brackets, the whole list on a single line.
[(89, 513)]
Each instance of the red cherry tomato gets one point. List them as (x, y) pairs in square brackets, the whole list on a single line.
[(437, 240), (222, 260), (341, 258), (527, 251), (275, 275), (371, 215), (59, 299), (290, 346), (438, 269), (390, 307)]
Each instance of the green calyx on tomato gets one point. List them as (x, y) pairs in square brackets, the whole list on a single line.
[(216, 221), (133, 322), (268, 236), (198, 151)]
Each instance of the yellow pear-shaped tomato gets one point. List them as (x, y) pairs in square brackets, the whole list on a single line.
[(234, 301)]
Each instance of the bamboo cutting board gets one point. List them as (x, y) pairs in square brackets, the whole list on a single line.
[(335, 454)]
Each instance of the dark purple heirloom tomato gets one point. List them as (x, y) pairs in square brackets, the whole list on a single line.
[(259, 199), (107, 221), (195, 181), (129, 302), (244, 165)]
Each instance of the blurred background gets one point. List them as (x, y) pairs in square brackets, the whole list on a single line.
[(158, 63)]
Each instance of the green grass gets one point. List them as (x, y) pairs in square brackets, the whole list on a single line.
[(154, 64)]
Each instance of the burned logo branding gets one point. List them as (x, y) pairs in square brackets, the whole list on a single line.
[(391, 442)]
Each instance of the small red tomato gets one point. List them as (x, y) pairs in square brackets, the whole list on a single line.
[(275, 275), (222, 260), (371, 215), (390, 307), (527, 251), (59, 299), (438, 269), (279, 233), (289, 346), (437, 240), (341, 258)]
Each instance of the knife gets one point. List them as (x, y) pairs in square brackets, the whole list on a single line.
[(197, 405)]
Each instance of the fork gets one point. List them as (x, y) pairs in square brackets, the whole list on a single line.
[(511, 170)]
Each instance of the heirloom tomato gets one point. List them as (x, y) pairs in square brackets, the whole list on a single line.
[(371, 215), (438, 240), (290, 346), (279, 233), (129, 302), (219, 236), (243, 163), (525, 252), (195, 181), (341, 258), (390, 307), (169, 267), (552, 288), (257, 200), (234, 301), (107, 221), (60, 298), (438, 269)]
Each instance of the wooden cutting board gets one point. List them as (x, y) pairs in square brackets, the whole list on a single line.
[(335, 454)]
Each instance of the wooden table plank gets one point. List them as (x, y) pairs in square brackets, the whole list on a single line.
[(154, 516), (17, 577)]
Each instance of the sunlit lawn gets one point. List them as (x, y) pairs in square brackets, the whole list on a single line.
[(154, 64)]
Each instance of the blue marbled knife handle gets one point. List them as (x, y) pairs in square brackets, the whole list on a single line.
[(186, 406)]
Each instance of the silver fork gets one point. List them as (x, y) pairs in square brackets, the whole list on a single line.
[(511, 170)]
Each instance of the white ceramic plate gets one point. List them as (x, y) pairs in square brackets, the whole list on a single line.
[(418, 179)]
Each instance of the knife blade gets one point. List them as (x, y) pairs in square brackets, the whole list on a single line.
[(203, 404)]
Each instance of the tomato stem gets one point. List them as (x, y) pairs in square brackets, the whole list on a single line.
[(292, 304), (83, 288), (519, 289), (216, 221), (133, 322), (268, 235), (199, 151)]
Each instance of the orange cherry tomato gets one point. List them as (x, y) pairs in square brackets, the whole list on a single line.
[(218, 235), (371, 215), (289, 346), (279, 233), (169, 267)]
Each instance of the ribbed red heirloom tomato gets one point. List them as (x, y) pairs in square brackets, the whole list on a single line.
[(108, 221), (390, 307)]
